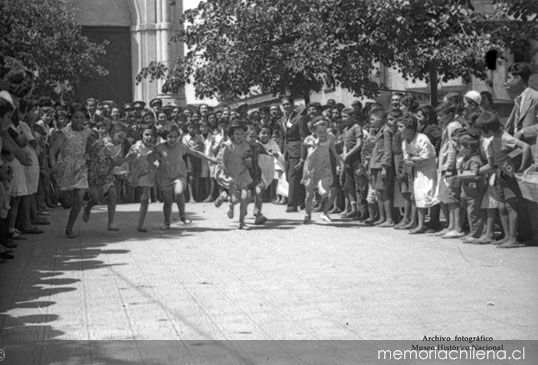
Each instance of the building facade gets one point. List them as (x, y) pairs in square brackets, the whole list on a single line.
[(138, 32)]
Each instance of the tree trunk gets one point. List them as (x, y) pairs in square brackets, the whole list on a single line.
[(306, 96), (434, 94)]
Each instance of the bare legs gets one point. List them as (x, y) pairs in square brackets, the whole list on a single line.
[(144, 204), (111, 205), (72, 199), (170, 196)]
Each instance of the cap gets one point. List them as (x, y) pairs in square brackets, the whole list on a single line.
[(155, 101), (139, 104), (474, 96), (127, 106), (110, 103)]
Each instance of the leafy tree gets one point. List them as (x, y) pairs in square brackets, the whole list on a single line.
[(298, 46), (44, 37), (279, 46), (427, 38)]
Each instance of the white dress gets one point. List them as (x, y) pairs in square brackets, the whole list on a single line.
[(425, 178), (31, 172)]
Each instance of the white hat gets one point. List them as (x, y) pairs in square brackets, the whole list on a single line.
[(474, 96), (6, 95)]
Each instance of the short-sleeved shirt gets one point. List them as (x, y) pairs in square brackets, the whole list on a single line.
[(171, 164), (499, 147), (351, 135)]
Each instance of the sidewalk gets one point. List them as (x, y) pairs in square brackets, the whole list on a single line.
[(209, 280)]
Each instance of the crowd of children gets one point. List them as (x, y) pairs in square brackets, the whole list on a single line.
[(387, 167)]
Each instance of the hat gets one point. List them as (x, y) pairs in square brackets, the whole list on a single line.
[(474, 96), (127, 106), (110, 103), (155, 101), (236, 123), (139, 104), (91, 100)]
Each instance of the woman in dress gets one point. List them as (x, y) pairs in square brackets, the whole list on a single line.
[(68, 161), (419, 153)]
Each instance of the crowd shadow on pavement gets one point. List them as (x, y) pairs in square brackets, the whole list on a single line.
[(50, 264)]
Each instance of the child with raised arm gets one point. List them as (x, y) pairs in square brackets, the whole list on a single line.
[(104, 153), (171, 176)]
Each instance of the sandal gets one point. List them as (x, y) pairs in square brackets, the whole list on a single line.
[(511, 244), (418, 230), (33, 230)]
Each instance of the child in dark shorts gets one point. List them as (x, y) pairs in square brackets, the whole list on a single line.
[(257, 185), (450, 191), (472, 186), (404, 176), (381, 167)]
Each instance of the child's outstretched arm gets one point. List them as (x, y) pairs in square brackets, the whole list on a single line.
[(193, 152), (525, 156)]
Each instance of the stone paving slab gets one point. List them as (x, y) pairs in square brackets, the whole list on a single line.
[(210, 280)]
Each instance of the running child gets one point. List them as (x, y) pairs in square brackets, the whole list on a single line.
[(319, 170), (235, 164), (171, 176)]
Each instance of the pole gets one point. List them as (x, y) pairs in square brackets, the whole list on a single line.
[(434, 94)]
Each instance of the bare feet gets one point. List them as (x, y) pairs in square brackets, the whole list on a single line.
[(86, 215), (387, 224), (70, 234)]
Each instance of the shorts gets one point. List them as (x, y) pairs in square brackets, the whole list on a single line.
[(255, 184), (498, 192), (449, 193), (382, 183)]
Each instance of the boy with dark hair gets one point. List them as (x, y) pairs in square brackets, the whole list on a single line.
[(352, 134), (472, 185), (381, 167)]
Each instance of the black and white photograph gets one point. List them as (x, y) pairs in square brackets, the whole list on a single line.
[(268, 182)]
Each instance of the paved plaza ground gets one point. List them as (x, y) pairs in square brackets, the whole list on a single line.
[(210, 280)]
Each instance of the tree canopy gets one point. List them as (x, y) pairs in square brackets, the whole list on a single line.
[(299, 46), (44, 37)]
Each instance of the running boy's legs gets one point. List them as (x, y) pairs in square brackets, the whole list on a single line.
[(77, 196), (144, 204)]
